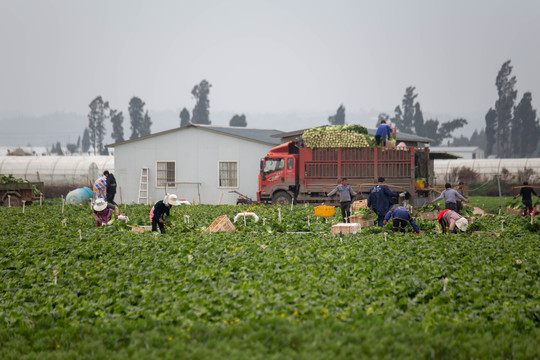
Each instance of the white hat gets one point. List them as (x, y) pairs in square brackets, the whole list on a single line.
[(170, 199), (100, 204), (462, 224)]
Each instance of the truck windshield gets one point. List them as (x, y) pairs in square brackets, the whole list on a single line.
[(273, 164)]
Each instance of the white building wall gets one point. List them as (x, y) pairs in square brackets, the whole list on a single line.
[(196, 152)]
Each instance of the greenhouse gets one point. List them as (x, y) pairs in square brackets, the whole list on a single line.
[(509, 169), (69, 171)]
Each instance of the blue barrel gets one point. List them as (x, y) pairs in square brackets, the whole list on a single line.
[(79, 196)]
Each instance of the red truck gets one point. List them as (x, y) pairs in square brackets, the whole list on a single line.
[(290, 172)]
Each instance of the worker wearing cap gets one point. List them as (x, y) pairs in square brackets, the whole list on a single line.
[(450, 220), (345, 197), (526, 197), (450, 197), (379, 200), (161, 208), (400, 218), (103, 212)]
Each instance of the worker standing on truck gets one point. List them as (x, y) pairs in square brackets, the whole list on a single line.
[(526, 197), (161, 208), (379, 200), (400, 218), (383, 132), (346, 193), (450, 196), (100, 188), (449, 220)]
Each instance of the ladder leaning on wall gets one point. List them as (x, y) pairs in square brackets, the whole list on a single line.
[(143, 186)]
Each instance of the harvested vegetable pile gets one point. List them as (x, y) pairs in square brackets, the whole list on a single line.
[(10, 179), (337, 136)]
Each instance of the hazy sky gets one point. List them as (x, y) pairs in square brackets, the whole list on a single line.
[(264, 56)]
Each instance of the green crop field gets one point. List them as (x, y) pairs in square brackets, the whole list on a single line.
[(269, 291)]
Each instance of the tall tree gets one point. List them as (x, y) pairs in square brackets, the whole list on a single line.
[(339, 117), (430, 129), (446, 129), (238, 121), (201, 111), (59, 149), (85, 140), (408, 110), (525, 128), (503, 107), (146, 125), (418, 120), (136, 116), (99, 111), (117, 119), (491, 131), (397, 120), (184, 117)]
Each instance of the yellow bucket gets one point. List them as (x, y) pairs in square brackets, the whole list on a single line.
[(324, 211), (419, 184)]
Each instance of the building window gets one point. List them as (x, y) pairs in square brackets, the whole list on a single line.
[(166, 173), (228, 174)]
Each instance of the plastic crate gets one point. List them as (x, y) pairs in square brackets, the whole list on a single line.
[(324, 211)]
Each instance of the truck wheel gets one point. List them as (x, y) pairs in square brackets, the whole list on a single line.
[(14, 201), (281, 198)]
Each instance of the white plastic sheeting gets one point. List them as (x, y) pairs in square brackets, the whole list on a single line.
[(57, 170), (486, 168)]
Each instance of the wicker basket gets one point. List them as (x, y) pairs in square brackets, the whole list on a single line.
[(324, 211), (222, 223)]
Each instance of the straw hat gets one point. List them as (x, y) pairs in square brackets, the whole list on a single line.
[(170, 199), (100, 204), (462, 224)]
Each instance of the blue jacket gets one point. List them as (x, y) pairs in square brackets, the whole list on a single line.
[(384, 131), (379, 199), (401, 213)]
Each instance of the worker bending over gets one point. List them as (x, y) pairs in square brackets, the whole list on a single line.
[(450, 220), (161, 208), (103, 212), (400, 218)]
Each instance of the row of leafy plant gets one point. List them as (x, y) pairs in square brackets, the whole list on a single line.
[(71, 290)]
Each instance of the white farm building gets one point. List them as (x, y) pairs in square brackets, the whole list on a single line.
[(201, 164)]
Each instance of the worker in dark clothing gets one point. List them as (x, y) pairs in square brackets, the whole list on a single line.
[(526, 197), (379, 200), (383, 132), (346, 194), (111, 187), (400, 218), (161, 208)]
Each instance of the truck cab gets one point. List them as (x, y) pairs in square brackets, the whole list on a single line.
[(278, 177)]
